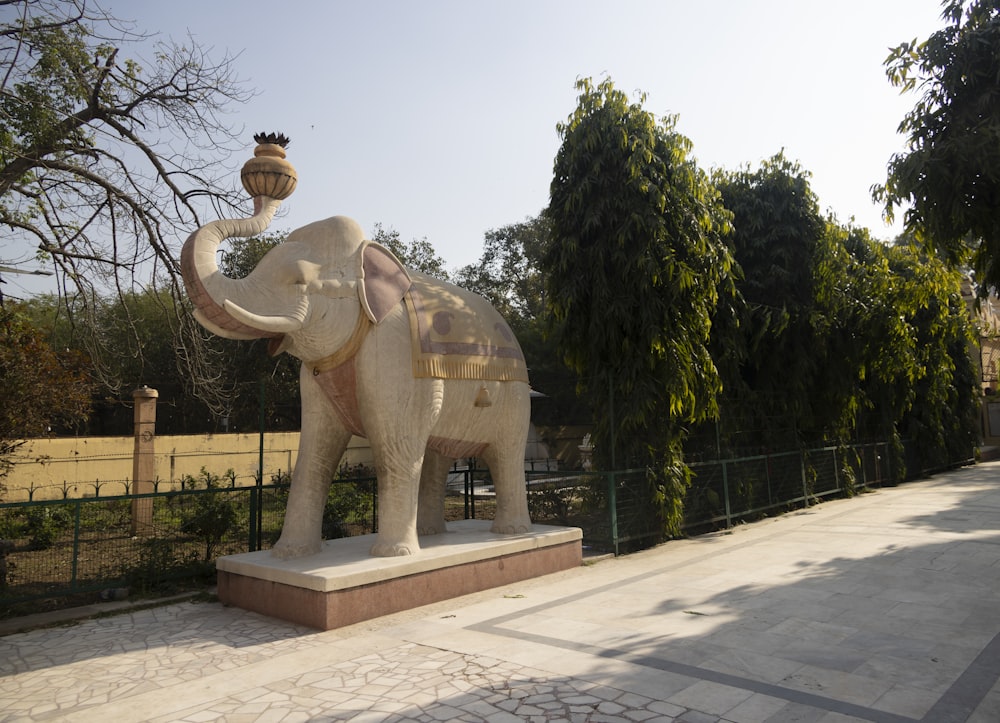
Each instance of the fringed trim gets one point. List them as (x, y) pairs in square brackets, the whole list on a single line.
[(495, 369)]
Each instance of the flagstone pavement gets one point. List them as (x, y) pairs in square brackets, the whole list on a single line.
[(884, 607)]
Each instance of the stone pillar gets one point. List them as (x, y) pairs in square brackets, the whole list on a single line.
[(143, 459)]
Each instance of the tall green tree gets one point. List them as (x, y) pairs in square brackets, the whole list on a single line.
[(863, 341), (770, 364), (949, 175), (899, 341), (105, 161), (633, 274), (935, 399), (832, 336)]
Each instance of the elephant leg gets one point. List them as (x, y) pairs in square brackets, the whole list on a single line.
[(398, 412), (398, 474), (321, 445), (430, 506), (506, 463)]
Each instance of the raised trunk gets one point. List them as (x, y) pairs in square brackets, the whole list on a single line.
[(206, 286)]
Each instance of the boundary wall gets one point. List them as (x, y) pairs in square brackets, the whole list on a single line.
[(73, 467)]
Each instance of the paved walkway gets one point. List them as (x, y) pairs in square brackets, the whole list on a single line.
[(882, 608)]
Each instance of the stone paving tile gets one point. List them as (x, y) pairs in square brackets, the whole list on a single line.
[(408, 683), (758, 708), (907, 701), (709, 697), (117, 657)]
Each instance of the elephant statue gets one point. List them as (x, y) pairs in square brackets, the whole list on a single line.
[(426, 371)]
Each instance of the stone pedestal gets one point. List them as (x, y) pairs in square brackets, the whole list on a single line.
[(343, 584)]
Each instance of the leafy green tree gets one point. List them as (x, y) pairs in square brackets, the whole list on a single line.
[(633, 274), (949, 176), (770, 364), (863, 342), (105, 161), (136, 324), (833, 336), (935, 400), (509, 274), (901, 342), (418, 255), (47, 313), (241, 255), (40, 387)]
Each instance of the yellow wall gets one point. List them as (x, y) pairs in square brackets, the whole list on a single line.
[(85, 466)]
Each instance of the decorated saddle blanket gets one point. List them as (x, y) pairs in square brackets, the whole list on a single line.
[(457, 335)]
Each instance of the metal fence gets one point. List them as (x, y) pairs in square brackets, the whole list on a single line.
[(729, 490), (73, 549)]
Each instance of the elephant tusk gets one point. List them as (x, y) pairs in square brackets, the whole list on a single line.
[(225, 333), (273, 324)]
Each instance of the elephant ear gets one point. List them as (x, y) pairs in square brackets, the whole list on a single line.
[(384, 281)]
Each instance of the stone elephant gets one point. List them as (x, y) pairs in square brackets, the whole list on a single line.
[(426, 371)]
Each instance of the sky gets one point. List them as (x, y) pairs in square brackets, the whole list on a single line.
[(437, 118)]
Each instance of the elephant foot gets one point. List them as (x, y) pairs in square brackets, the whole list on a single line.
[(501, 527), (390, 549), (288, 551)]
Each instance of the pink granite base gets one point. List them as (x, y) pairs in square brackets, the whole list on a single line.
[(342, 585)]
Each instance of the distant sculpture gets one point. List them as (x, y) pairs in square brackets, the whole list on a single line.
[(586, 453), (428, 372)]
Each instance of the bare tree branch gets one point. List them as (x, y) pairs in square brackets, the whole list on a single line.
[(105, 160)]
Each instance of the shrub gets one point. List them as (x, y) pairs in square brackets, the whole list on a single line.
[(214, 512), (552, 503), (44, 524), (159, 562), (350, 501)]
